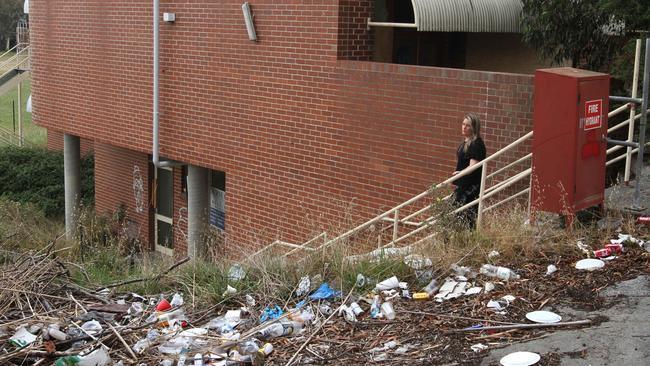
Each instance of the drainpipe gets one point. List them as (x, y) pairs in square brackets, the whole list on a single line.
[(197, 209), (71, 183), (156, 90)]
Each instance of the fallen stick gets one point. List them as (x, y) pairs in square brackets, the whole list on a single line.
[(154, 278), (128, 348), (521, 326), (455, 317), (319, 328)]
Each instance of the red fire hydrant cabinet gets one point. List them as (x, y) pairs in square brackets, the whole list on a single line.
[(569, 150)]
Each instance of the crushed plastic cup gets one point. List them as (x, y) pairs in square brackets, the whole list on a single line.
[(388, 284), (387, 310), (163, 305), (229, 291)]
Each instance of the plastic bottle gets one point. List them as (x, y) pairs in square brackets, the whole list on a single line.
[(374, 307), (95, 358), (499, 272), (198, 359), (431, 288), (280, 329)]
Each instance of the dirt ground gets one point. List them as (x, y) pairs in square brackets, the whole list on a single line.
[(614, 298)]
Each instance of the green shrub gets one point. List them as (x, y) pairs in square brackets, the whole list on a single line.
[(34, 175)]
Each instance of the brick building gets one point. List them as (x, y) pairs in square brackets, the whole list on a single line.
[(313, 120)]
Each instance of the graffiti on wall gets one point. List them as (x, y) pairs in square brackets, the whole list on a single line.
[(182, 221), (138, 189)]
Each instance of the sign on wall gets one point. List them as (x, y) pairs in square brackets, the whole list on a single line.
[(217, 208), (593, 114)]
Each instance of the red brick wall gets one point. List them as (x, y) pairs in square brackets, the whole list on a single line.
[(55, 142), (355, 40), (120, 175), (300, 132)]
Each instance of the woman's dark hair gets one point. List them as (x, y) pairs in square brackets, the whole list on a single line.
[(476, 129)]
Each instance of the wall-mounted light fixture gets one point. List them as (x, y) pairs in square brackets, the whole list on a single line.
[(248, 18), (169, 17)]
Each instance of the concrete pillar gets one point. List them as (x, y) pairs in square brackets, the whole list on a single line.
[(72, 183), (198, 200)]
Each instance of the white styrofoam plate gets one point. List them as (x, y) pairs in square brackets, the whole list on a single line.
[(545, 317), (590, 264), (520, 359)]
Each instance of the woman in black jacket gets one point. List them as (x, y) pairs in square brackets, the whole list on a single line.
[(470, 152)]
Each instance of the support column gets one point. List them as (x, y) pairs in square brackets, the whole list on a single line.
[(72, 183), (197, 209)]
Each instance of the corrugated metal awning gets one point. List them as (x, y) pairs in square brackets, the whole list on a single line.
[(502, 16), (497, 16)]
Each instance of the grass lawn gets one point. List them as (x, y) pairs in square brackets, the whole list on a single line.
[(35, 135)]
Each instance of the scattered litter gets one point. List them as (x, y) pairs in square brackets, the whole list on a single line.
[(361, 280), (421, 296), (324, 292), (493, 254), (431, 287), (177, 300), (551, 269), (489, 286), (520, 359), (388, 311), (643, 220), (271, 312), (479, 347), (250, 301), (473, 291), (583, 247), (388, 284), (387, 346), (303, 286), (163, 305), (417, 262), (22, 338), (229, 291), (589, 264), (236, 273), (498, 272), (544, 317)]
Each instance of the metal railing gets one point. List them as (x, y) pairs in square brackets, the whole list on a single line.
[(19, 60)]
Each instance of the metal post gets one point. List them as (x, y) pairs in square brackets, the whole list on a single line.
[(395, 225), (197, 209), (644, 107), (630, 130), (479, 213), (20, 114), (71, 183)]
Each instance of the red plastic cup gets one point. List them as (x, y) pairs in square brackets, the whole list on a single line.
[(163, 305), (602, 253)]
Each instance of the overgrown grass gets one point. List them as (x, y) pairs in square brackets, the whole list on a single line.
[(106, 255), (35, 135)]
